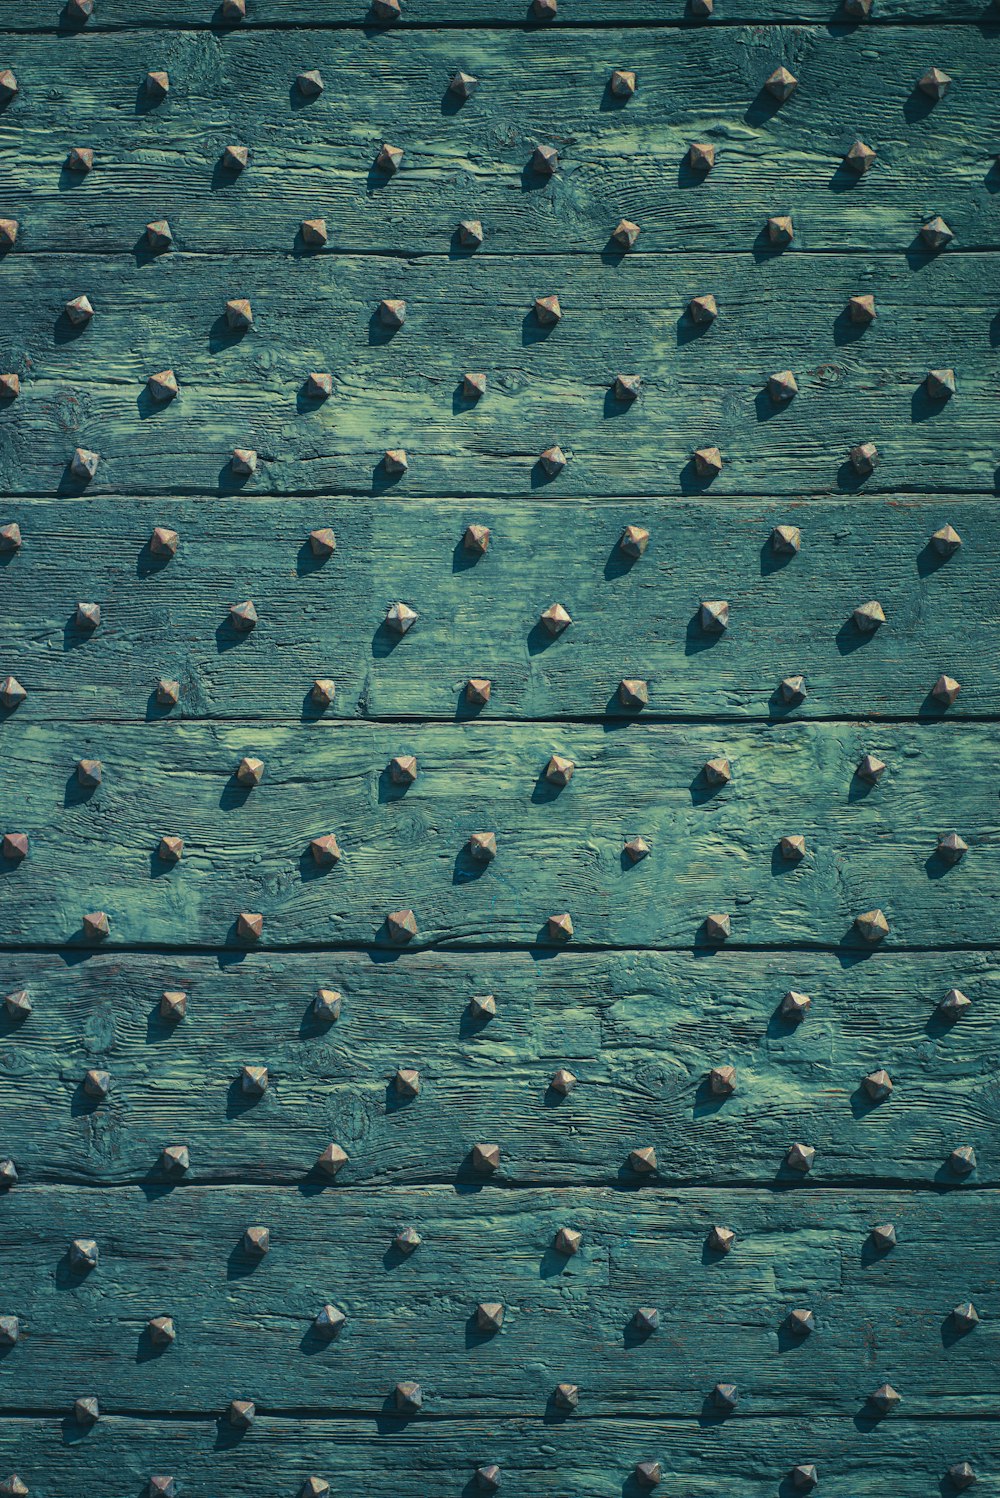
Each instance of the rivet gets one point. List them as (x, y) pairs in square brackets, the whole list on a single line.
[(10, 538), (636, 849), (722, 1081), (322, 543), (249, 925), (234, 10), (625, 233), (8, 1174), (97, 1083), (487, 1479), (962, 1160), (713, 616), (935, 83), (946, 541), (10, 1330), (864, 458), (10, 386), (326, 1005), (79, 310), (860, 157), (801, 1322), (408, 1396), (936, 233), (159, 235), (400, 618), (721, 1240), (239, 314), (622, 83), (241, 1413), (96, 926), (162, 1331), (406, 1240), (800, 1157), (780, 229), (646, 1320), (243, 616), (626, 387), (568, 1241), (478, 690), (717, 771), (489, 1316), (80, 159), (703, 309), (883, 1235), (795, 1005), (701, 8), (544, 10), (331, 1160), (470, 233), (648, 1474), (952, 849), (86, 1411), (861, 309), (401, 925), (87, 615), (328, 1323), (717, 927), (463, 85), (804, 1477), (562, 1081), (878, 1085), (8, 233), (859, 9), (701, 156), (250, 771), (164, 542), (84, 1254), (961, 1476), (871, 768), (173, 1004), (547, 310), (483, 846), (157, 84), (389, 158), (566, 1396), (793, 689), (545, 160), (392, 313), (559, 771), (871, 926), (474, 385), (386, 11), (884, 1399), (254, 1080), (559, 927), (485, 1158), (175, 1159), (8, 85), (406, 1082), (868, 616), (170, 849), (781, 84), (954, 1004), (633, 693), (13, 1487), (244, 461), (945, 690), (310, 84), (83, 464), (325, 850), (707, 462), (235, 158), (555, 619), (403, 769), (319, 386), (781, 387), (965, 1316), (394, 461), (642, 1160), (313, 231), (322, 692), (725, 1396), (14, 846), (553, 460), (18, 1004), (162, 1487), (940, 384), (482, 1007)]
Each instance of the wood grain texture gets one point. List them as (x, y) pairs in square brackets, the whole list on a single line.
[(326, 619), (315, 158), (639, 1030)]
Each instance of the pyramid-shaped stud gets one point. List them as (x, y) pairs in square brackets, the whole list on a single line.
[(864, 458), (97, 1083), (722, 1081), (626, 387), (962, 1160), (156, 84), (408, 1397), (84, 1254), (313, 231), (786, 540), (234, 10), (161, 1331), (871, 768), (717, 771), (322, 692), (389, 159), (239, 314), (254, 1080), (401, 926), (544, 10), (625, 233), (935, 83), (858, 10), (476, 539), (566, 1396), (700, 156), (547, 310), (474, 385), (10, 387), (553, 460), (622, 83), (883, 1236), (170, 849), (8, 1174), (83, 464), (162, 1487), (884, 1399), (940, 384), (159, 235), (646, 1321), (633, 541), (10, 1331), (478, 690), (87, 615), (14, 846), (946, 541), (800, 1157), (315, 1487), (9, 86), (559, 927), (235, 158), (717, 927), (482, 846), (470, 233), (559, 770), (642, 1160), (8, 233), (13, 1487), (952, 849), (636, 849), (392, 312), (936, 234), (327, 1005), (310, 83), (331, 1160), (945, 690), (241, 1413), (328, 1323), (96, 926), (713, 616), (325, 851), (243, 616), (868, 616), (407, 1240), (319, 385), (482, 1007), (387, 11), (703, 309), (562, 1081), (961, 1475), (80, 159), (804, 1477), (567, 1241), (400, 618), (175, 1160), (545, 161), (954, 1004), (485, 1158), (395, 461), (10, 538), (871, 926), (860, 157), (249, 925), (725, 1397), (861, 309), (781, 84), (555, 619), (701, 9), (487, 1479), (648, 1474), (633, 693), (403, 769), (801, 1322), (965, 1316), (463, 85), (781, 387), (489, 1316), (792, 689), (173, 1004), (406, 1082), (780, 229), (878, 1085), (163, 542), (18, 1004), (79, 310), (86, 1411), (250, 771), (243, 461), (322, 543), (721, 1239), (707, 462)]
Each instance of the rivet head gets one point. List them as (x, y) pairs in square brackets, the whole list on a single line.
[(718, 927), (395, 461), (322, 692), (562, 1081), (568, 1241), (326, 1005), (254, 1080), (883, 1236), (965, 1316), (800, 1157), (78, 310), (489, 1316), (241, 1413), (389, 159), (408, 1396), (792, 689), (962, 1160), (804, 1477), (780, 229), (8, 233), (474, 385), (861, 309), (946, 541), (96, 926), (239, 314), (633, 541), (722, 1081), (175, 1159), (483, 846), (89, 773), (864, 458), (400, 618), (781, 84), (322, 543), (235, 158), (859, 9), (8, 1174), (559, 927), (86, 1411), (18, 1004), (566, 1396), (167, 692), (482, 1007), (868, 616), (485, 1158), (781, 387), (936, 234), (553, 460), (463, 85), (713, 616), (164, 542), (84, 1254), (159, 235), (244, 461), (10, 1330), (946, 690), (884, 1399), (871, 768), (646, 1320), (871, 926), (14, 846), (633, 693), (545, 160), (162, 1331), (725, 1396), (701, 156), (328, 1323), (313, 231), (954, 1004), (170, 849), (83, 464), (10, 538), (625, 233), (406, 1082), (403, 769), (325, 851), (401, 926), (952, 849), (387, 11), (703, 309), (234, 10), (162, 1487), (406, 1241), (802, 1322), (10, 386), (97, 1082), (721, 1239), (626, 387), (707, 462), (547, 310), (243, 616), (80, 159), (935, 83), (250, 771), (331, 1160), (642, 1160), (636, 849), (717, 771), (555, 619), (701, 8), (173, 1004), (319, 385), (13, 1487), (622, 83), (8, 85), (470, 233), (559, 771), (544, 10), (157, 84), (478, 690), (476, 539), (940, 384), (310, 83), (87, 615), (961, 1476), (860, 157), (487, 1479), (249, 925), (392, 312), (648, 1474)]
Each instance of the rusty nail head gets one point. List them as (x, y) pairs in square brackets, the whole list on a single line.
[(389, 159), (322, 543), (239, 314), (170, 849), (243, 616), (8, 233), (14, 846), (781, 84), (717, 927), (553, 460), (648, 1474), (633, 693), (96, 926), (800, 1157), (936, 234), (482, 1007), (409, 1396), (406, 1240), (545, 160), (487, 1479), (962, 1160), (84, 1254), (401, 925), (485, 1158), (175, 1159), (725, 1396), (568, 1241), (83, 464), (254, 1080), (250, 771), (935, 83), (622, 83), (159, 235), (328, 1323), (961, 1476), (871, 768), (235, 158), (954, 1004), (793, 689), (173, 1004), (722, 1081), (489, 1316), (952, 849), (10, 389), (157, 84), (625, 233), (566, 1396), (319, 386), (861, 309), (721, 1239), (406, 1082), (18, 1004), (241, 1413), (804, 1477), (331, 1160), (470, 233), (249, 925), (703, 309), (476, 538), (780, 229), (395, 461), (707, 462), (860, 157), (636, 849), (562, 1081), (642, 1160), (478, 690), (781, 387)]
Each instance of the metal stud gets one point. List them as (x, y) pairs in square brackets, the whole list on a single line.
[(322, 543), (780, 230), (408, 1397), (474, 385), (961, 1476), (87, 615), (800, 1157), (792, 689), (18, 1004), (717, 771), (401, 926), (626, 387), (566, 1396), (10, 538), (713, 616), (868, 616), (86, 1411), (544, 10), (83, 464), (795, 1005), (555, 619), (703, 309), (701, 156), (331, 1160), (871, 926), (871, 768), (648, 1474), (322, 692), (946, 541), (8, 233), (781, 387), (167, 692), (962, 1160), (80, 159), (545, 160), (864, 458), (482, 1007), (562, 1081), (952, 848), (244, 461), (553, 461), (310, 83), (13, 1487), (489, 1316), (940, 384), (254, 1080), (568, 1241), (400, 618), (801, 1322), (633, 541), (965, 1316), (403, 769), (701, 9), (170, 849), (717, 927), (781, 84), (319, 386), (249, 925), (625, 233), (386, 11), (860, 157), (945, 690), (162, 1487), (633, 693), (159, 235), (725, 1397), (636, 849), (646, 1321), (241, 1413), (883, 1236), (79, 310), (173, 1004), (243, 616), (884, 1399), (722, 1081), (326, 1005), (313, 231), (9, 86), (328, 1323), (861, 309), (483, 846), (395, 461), (234, 10), (463, 85), (622, 83), (804, 1477), (10, 389), (878, 1085), (547, 310), (642, 1160), (157, 84), (559, 927), (470, 233), (559, 771), (406, 1240), (162, 1331), (792, 848), (936, 234), (10, 1331), (96, 926), (97, 1083), (8, 1174), (14, 846), (954, 1004), (721, 1239), (325, 851), (389, 159), (935, 83), (392, 313), (84, 1254), (478, 690), (175, 1159), (406, 1082), (163, 542), (239, 314), (250, 771), (859, 9), (235, 158), (487, 1479), (707, 462), (485, 1158)]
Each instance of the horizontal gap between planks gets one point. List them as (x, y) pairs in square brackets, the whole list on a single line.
[(509, 496), (835, 22), (470, 948), (669, 1185), (393, 252), (566, 720), (471, 1417)]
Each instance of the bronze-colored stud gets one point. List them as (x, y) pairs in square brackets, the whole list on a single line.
[(156, 84), (387, 11), (962, 1160), (721, 1239), (83, 464), (243, 461), (559, 771), (175, 1160), (544, 10), (86, 1411), (648, 1474), (725, 1397), (859, 10), (700, 156), (159, 235), (8, 233), (162, 1487), (395, 461), (781, 84), (801, 1322), (482, 846), (331, 1160), (408, 1396), (403, 769), (804, 1477), (884, 1399), (313, 231), (249, 925), (703, 309), (560, 927), (860, 157), (319, 386), (406, 1082), (10, 538), (636, 849), (310, 83), (325, 851), (547, 310), (239, 314), (476, 539), (80, 160), (485, 1158), (717, 927), (470, 233), (568, 1241), (883, 1236), (871, 768), (87, 615), (18, 1004), (722, 1081), (864, 458), (566, 1396), (861, 309), (936, 234), (625, 233), (9, 85), (78, 310), (868, 616), (707, 462), (14, 846), (173, 1004), (642, 1160), (489, 1316), (10, 1331), (562, 1081), (871, 926), (250, 771), (8, 1174), (482, 1007), (795, 1006), (96, 926), (401, 926), (780, 229), (392, 312), (961, 1476), (329, 1322), (555, 619), (84, 1254), (935, 83), (946, 690), (954, 1004), (167, 692), (487, 1479), (965, 1317), (400, 618), (463, 85), (474, 386), (389, 159), (633, 693), (170, 849), (243, 616), (553, 461), (326, 1005), (164, 542), (800, 1157), (478, 690), (951, 849), (234, 10), (10, 388), (241, 1413), (254, 1080), (878, 1085), (545, 161), (161, 1331), (407, 1240), (717, 771), (713, 616), (13, 1487), (322, 692), (626, 387), (97, 1083), (322, 543), (235, 158), (781, 387), (701, 9), (946, 541), (940, 384), (633, 541), (622, 83)]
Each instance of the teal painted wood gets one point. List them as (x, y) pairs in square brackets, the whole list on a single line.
[(640, 1031), (315, 158), (244, 1327), (327, 619)]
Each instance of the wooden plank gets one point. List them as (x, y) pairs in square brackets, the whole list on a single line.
[(321, 314), (640, 1031), (247, 1325), (326, 619)]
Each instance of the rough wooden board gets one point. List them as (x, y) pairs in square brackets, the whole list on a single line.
[(315, 158), (247, 1326), (640, 1031), (327, 619)]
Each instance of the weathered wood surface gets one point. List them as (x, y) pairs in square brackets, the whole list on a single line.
[(327, 619), (244, 1327), (321, 313), (315, 158), (639, 1030)]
